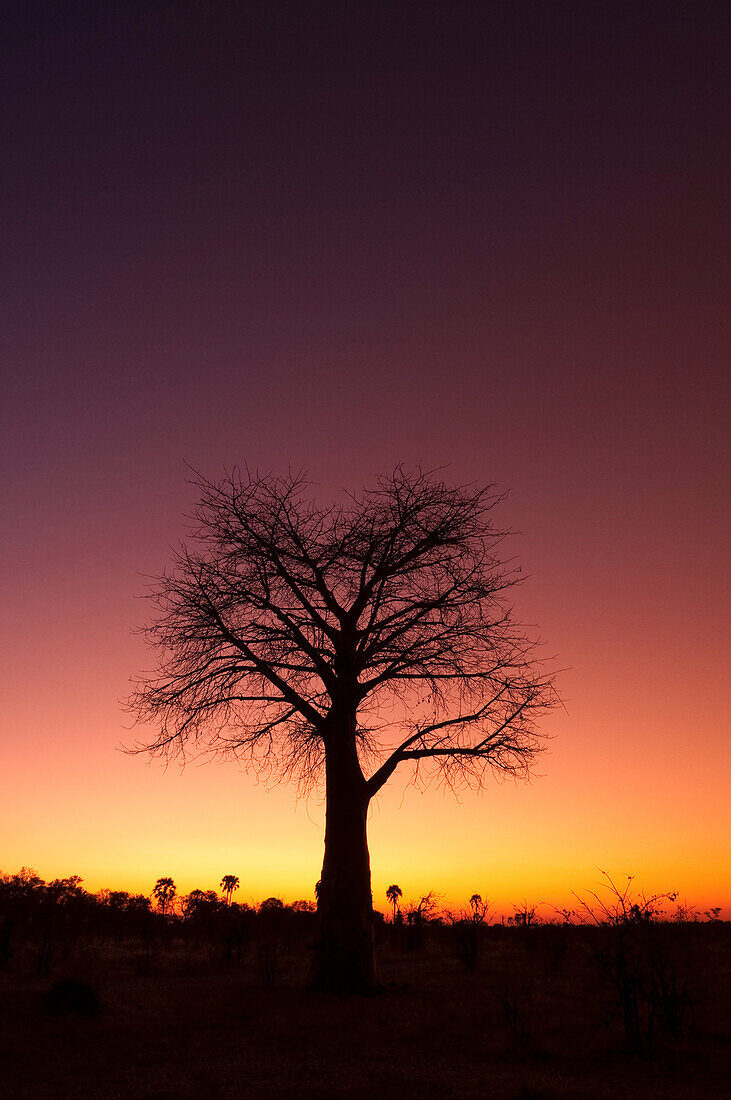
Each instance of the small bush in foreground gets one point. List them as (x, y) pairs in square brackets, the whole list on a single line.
[(72, 995)]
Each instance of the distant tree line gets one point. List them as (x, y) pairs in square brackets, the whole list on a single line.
[(45, 923)]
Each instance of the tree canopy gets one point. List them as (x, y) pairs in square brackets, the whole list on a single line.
[(397, 595)]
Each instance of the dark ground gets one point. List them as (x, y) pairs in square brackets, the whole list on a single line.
[(533, 1020)]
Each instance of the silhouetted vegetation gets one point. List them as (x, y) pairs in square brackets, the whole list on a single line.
[(642, 960), (72, 995), (393, 893), (538, 1003), (286, 630), (467, 932)]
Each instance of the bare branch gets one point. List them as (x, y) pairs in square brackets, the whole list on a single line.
[(284, 623)]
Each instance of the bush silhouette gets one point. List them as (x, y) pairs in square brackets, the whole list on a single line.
[(72, 995)]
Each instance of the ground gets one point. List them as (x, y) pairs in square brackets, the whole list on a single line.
[(530, 1021)]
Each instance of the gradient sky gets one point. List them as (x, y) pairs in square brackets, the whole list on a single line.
[(342, 236)]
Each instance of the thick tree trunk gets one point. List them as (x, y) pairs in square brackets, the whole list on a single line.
[(345, 951)]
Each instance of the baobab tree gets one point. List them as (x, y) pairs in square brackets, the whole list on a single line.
[(338, 643), (229, 883)]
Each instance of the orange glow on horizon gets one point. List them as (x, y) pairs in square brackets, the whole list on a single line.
[(121, 823), (619, 787)]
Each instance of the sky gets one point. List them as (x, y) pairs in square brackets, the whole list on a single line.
[(342, 236)]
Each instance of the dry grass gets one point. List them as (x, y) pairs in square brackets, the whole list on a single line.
[(530, 1022)]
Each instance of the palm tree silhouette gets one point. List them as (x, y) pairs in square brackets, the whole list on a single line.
[(229, 883), (393, 893), (164, 892)]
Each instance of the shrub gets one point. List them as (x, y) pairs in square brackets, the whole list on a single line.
[(467, 931), (636, 956), (72, 995)]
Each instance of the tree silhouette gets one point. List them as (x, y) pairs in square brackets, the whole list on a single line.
[(339, 643), (229, 883), (478, 908), (164, 892), (393, 893)]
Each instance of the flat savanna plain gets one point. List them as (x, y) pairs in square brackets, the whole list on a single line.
[(534, 1018)]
